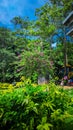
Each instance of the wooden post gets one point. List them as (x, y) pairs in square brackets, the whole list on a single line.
[(65, 53)]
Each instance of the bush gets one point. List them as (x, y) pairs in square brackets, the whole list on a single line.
[(35, 107), (6, 87)]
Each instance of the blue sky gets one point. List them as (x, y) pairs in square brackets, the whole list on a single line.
[(12, 8)]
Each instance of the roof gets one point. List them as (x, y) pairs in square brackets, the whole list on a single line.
[(70, 32), (67, 19)]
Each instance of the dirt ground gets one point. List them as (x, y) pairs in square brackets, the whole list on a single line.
[(68, 87)]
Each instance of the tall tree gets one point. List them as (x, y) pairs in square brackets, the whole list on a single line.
[(7, 55), (55, 12)]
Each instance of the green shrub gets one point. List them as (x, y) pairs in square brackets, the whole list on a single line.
[(6, 87), (35, 107)]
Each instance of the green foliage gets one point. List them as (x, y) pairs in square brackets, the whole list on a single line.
[(7, 55), (34, 107), (6, 87), (35, 63), (28, 49), (50, 26)]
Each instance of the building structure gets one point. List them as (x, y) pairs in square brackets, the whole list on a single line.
[(68, 22)]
